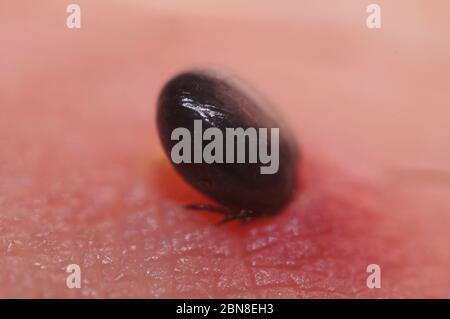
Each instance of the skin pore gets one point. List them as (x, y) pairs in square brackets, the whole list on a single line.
[(84, 180)]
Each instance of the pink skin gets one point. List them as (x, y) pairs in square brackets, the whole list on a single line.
[(83, 178)]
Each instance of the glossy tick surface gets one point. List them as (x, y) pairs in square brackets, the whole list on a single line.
[(221, 101)]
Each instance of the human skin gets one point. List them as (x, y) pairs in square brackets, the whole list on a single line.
[(84, 180)]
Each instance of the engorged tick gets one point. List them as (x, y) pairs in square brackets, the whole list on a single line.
[(210, 99)]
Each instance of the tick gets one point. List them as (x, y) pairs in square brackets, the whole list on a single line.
[(228, 143)]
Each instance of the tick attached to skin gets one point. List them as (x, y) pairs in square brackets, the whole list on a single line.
[(226, 141)]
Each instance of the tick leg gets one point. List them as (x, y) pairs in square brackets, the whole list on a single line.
[(244, 216), (229, 216), (210, 208)]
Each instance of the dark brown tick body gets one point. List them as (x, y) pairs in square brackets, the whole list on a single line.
[(223, 102)]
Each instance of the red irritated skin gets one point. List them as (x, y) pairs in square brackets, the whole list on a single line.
[(83, 178)]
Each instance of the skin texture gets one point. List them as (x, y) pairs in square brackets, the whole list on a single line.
[(83, 178)]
